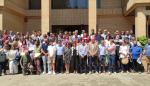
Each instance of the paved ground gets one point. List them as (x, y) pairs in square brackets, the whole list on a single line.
[(77, 80)]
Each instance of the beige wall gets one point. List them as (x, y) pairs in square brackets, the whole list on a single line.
[(107, 4), (13, 22), (33, 24), (69, 17), (1, 2), (112, 23), (1, 20), (19, 3)]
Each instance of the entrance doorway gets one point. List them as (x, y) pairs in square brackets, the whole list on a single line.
[(62, 28), (148, 31)]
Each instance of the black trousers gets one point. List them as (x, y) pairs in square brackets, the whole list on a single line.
[(136, 66), (59, 64), (124, 67), (74, 65), (83, 64)]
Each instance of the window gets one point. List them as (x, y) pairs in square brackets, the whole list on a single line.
[(69, 4), (34, 4), (98, 3), (148, 8)]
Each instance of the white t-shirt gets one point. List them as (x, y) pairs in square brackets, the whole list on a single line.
[(51, 51), (124, 50)]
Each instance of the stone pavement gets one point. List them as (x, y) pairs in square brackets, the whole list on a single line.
[(77, 80)]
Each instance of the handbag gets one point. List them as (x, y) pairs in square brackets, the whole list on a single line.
[(125, 60)]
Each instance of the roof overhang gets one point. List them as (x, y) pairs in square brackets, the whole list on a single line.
[(133, 4)]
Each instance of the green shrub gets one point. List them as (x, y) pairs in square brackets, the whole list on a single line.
[(142, 40)]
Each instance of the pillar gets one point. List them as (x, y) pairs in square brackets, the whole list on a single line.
[(45, 16), (1, 20), (92, 15), (140, 22)]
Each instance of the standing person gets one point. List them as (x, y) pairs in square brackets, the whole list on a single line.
[(83, 50), (51, 57), (37, 56), (59, 57), (111, 51), (67, 56), (11, 55), (124, 54), (44, 55), (2, 60), (147, 54), (102, 57), (93, 53), (136, 53), (75, 58)]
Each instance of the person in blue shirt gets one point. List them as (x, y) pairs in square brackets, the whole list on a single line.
[(136, 53), (147, 53), (44, 54), (59, 57)]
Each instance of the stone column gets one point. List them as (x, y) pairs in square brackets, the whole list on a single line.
[(92, 15), (140, 22), (1, 20), (45, 16)]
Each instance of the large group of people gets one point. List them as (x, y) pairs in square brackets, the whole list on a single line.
[(71, 52)]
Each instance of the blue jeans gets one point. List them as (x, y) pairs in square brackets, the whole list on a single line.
[(111, 63), (102, 59), (92, 63), (45, 59)]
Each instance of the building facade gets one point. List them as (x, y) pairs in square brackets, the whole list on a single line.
[(61, 15)]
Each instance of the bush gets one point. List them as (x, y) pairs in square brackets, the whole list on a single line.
[(142, 40)]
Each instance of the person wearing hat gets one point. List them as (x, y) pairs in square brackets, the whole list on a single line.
[(124, 56)]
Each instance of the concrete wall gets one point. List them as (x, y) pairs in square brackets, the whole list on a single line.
[(13, 15), (112, 23), (1, 19), (69, 17), (13, 22), (33, 24), (107, 4)]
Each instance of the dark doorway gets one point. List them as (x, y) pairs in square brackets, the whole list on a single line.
[(148, 31), (62, 28)]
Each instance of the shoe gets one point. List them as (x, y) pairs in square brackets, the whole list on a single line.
[(44, 73), (115, 73), (109, 73), (90, 72), (49, 73), (54, 73)]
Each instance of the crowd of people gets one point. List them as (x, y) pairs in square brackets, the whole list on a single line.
[(71, 52)]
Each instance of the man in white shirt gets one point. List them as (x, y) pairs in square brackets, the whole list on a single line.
[(51, 57), (83, 50)]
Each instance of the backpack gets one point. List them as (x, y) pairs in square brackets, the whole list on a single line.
[(2, 56)]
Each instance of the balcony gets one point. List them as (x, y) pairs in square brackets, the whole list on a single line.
[(130, 5), (1, 3)]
